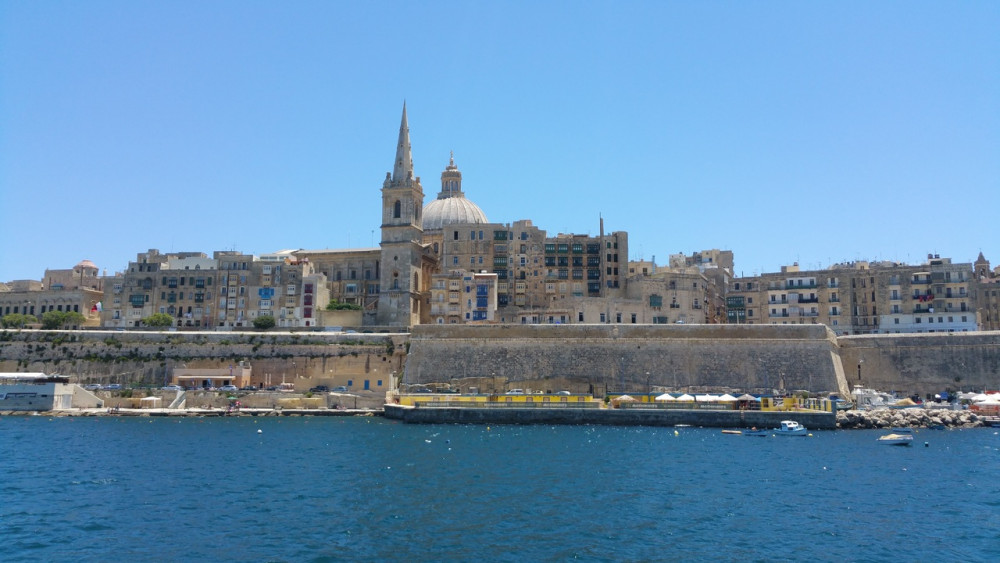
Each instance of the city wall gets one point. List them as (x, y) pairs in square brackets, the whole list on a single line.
[(129, 357), (627, 358), (578, 358), (923, 363)]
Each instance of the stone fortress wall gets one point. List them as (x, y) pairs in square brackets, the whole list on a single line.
[(923, 363), (629, 358), (578, 358), (752, 358), (305, 359)]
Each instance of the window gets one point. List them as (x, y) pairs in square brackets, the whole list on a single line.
[(397, 209)]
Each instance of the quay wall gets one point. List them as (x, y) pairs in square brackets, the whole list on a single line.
[(618, 417), (627, 358)]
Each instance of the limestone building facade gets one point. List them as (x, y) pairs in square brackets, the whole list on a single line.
[(861, 297)]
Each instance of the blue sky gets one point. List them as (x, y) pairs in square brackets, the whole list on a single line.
[(783, 131)]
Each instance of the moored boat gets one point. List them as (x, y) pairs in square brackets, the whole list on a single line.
[(896, 439), (790, 428), (756, 433)]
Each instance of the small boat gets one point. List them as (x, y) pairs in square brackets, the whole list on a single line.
[(896, 439), (790, 428), (902, 430), (731, 432), (756, 433)]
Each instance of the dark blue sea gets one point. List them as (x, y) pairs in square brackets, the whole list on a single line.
[(365, 489)]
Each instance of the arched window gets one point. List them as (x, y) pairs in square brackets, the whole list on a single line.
[(397, 209)]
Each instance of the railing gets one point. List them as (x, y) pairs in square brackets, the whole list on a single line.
[(683, 405), (508, 405)]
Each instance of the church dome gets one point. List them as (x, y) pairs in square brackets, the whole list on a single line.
[(451, 206), (450, 211)]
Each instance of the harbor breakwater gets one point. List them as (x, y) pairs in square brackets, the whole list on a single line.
[(910, 418)]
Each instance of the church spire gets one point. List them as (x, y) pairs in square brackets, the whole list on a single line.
[(402, 170)]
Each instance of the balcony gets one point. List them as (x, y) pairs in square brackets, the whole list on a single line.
[(809, 300)]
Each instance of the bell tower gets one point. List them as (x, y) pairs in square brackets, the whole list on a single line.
[(400, 261)]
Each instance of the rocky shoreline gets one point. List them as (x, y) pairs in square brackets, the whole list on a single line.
[(912, 418)]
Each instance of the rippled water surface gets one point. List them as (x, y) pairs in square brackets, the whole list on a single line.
[(324, 489)]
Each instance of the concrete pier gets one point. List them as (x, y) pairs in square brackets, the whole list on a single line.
[(609, 417)]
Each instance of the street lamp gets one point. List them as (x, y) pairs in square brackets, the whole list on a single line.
[(861, 361)]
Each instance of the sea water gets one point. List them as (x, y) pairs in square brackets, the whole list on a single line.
[(327, 489)]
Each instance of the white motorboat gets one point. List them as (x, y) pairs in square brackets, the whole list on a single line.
[(790, 428), (896, 439)]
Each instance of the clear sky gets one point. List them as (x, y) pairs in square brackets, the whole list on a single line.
[(815, 132)]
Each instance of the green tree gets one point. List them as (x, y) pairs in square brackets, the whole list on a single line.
[(17, 320), (264, 322), (335, 305), (60, 319), (158, 320)]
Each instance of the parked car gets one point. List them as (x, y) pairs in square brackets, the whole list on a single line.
[(92, 386), (340, 389), (172, 388), (248, 388), (515, 392), (113, 387), (229, 388), (320, 389)]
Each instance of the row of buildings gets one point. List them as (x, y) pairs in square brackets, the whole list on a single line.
[(446, 263)]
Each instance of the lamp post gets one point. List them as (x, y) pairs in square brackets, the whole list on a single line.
[(861, 361)]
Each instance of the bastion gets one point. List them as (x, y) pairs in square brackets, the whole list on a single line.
[(626, 358)]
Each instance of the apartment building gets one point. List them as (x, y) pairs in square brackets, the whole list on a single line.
[(460, 297), (860, 297), (987, 290), (228, 290)]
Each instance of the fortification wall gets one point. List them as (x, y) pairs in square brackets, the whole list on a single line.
[(923, 363), (629, 358), (147, 357), (579, 358)]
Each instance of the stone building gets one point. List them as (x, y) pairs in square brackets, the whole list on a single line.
[(460, 297), (987, 290), (70, 290), (861, 297), (228, 290)]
